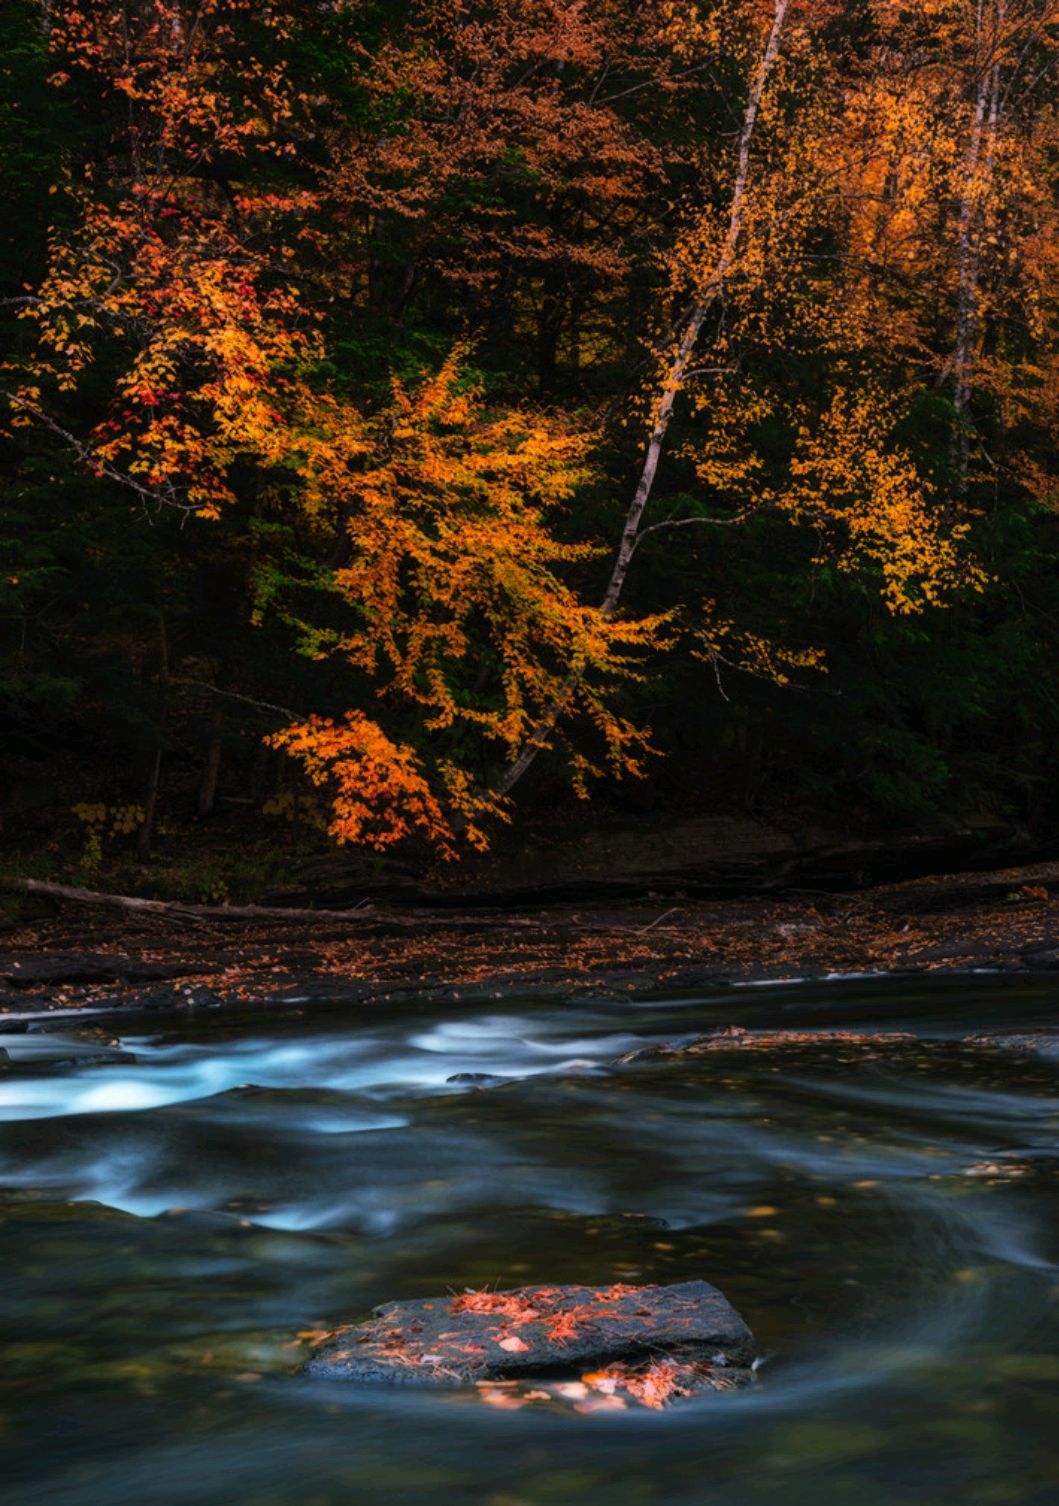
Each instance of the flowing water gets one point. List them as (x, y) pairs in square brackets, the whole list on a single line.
[(176, 1209)]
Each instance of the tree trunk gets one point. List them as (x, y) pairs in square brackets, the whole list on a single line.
[(154, 778), (704, 299), (975, 187), (259, 771), (363, 914), (212, 769), (549, 328)]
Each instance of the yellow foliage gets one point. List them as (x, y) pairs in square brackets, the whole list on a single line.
[(456, 599), (123, 819), (848, 471), (292, 808), (723, 642), (887, 186), (96, 816)]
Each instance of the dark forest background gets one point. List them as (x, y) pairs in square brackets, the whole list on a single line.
[(135, 675)]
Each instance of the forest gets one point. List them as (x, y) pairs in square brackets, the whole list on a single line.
[(529, 692), (419, 418)]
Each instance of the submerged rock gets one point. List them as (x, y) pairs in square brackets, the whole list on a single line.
[(1031, 1043), (735, 1038), (1043, 959), (169, 997), (638, 1345)]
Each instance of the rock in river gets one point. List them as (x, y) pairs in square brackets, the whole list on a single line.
[(736, 1038), (1032, 1043), (29, 970), (596, 1346)]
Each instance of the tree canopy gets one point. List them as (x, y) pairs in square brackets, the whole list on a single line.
[(416, 389)]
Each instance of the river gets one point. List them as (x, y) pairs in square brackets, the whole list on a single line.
[(181, 1206)]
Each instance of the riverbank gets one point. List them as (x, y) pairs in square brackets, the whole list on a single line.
[(91, 960)]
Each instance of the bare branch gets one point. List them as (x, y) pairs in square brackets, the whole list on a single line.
[(99, 467), (234, 695), (666, 523)]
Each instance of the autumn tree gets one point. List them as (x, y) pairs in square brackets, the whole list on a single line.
[(496, 349), (184, 270), (515, 158), (737, 289)]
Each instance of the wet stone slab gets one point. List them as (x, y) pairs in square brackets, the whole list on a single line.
[(599, 1347), (1032, 1043), (32, 970), (736, 1038)]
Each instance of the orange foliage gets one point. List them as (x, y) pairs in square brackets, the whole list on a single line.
[(657, 1384), (163, 261), (518, 97), (379, 792), (891, 180), (446, 504)]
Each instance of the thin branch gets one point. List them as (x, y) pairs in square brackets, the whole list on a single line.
[(715, 660), (234, 695), (739, 517), (707, 292), (654, 83), (97, 466)]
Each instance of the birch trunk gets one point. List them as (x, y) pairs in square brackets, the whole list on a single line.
[(977, 177), (705, 297)]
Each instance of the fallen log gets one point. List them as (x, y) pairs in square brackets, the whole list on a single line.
[(178, 909), (186, 911), (955, 891)]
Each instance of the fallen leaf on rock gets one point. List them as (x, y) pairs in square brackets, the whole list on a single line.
[(493, 1396), (572, 1390)]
